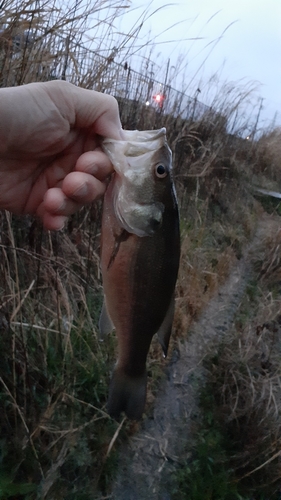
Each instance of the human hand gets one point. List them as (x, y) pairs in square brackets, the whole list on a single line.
[(51, 162)]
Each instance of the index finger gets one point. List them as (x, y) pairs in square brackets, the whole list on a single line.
[(95, 163)]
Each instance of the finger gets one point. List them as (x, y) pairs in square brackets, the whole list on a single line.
[(57, 203), (78, 189), (53, 222), (95, 163), (82, 187)]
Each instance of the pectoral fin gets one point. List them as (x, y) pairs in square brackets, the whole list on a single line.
[(165, 329), (105, 323)]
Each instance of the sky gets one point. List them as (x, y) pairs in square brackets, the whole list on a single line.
[(240, 40)]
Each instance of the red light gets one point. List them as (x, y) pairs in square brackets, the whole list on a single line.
[(159, 98)]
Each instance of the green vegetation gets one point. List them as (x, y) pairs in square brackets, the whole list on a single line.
[(57, 440), (208, 473)]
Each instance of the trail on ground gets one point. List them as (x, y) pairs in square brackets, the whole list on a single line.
[(147, 462)]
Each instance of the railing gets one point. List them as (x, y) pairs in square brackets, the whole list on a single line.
[(31, 56)]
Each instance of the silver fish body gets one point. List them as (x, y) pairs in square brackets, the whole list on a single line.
[(139, 260)]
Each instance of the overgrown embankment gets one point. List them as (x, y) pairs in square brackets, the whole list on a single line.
[(54, 371)]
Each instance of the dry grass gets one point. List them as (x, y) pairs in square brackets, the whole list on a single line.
[(244, 376), (54, 371), (269, 150), (266, 256), (42, 41), (246, 381)]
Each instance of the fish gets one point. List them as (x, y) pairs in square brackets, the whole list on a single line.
[(140, 252)]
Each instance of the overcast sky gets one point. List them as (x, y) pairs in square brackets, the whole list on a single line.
[(249, 47)]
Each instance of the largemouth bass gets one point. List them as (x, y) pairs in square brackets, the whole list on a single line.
[(139, 260)]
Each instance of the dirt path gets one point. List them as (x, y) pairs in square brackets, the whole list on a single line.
[(151, 456)]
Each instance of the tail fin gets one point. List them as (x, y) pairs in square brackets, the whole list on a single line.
[(127, 394)]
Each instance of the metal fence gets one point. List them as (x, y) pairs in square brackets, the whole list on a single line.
[(32, 56)]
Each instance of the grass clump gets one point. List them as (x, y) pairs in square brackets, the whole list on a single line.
[(208, 473)]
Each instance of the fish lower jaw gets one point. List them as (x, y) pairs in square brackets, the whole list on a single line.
[(140, 228), (141, 220)]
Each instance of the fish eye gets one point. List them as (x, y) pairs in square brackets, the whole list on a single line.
[(161, 171)]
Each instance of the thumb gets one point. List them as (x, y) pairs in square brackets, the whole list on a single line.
[(85, 108), (98, 111)]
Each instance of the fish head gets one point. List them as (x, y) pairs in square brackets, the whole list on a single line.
[(142, 180)]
